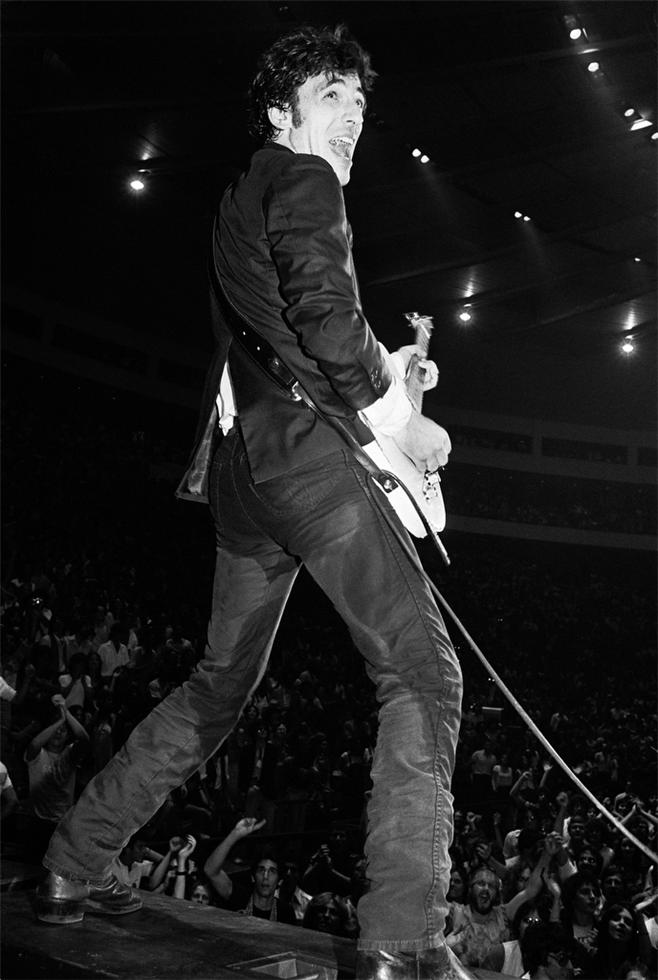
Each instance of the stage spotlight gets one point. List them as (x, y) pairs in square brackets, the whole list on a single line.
[(593, 67), (628, 346), (465, 316), (415, 152), (424, 158), (654, 136), (518, 214), (526, 218), (137, 184)]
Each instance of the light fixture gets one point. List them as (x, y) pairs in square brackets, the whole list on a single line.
[(415, 152), (637, 259), (424, 158), (640, 124), (518, 214), (593, 67), (629, 112), (576, 32), (137, 184), (465, 316), (654, 136), (526, 218), (628, 346)]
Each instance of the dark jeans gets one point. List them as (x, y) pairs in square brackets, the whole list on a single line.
[(323, 515)]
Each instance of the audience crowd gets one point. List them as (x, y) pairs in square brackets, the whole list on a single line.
[(106, 584)]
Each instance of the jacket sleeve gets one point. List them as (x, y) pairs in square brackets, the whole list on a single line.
[(307, 231)]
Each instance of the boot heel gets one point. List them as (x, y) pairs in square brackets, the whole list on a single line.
[(58, 911)]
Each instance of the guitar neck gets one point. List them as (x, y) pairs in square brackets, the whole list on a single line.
[(422, 326)]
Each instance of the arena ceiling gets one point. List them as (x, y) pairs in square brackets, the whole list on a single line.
[(497, 96)]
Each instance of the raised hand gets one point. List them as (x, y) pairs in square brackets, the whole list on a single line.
[(188, 847), (247, 826)]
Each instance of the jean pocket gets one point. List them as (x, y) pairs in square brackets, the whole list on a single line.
[(304, 488)]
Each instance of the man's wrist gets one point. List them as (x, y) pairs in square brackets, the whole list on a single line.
[(391, 413)]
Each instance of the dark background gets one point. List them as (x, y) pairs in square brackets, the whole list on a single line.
[(495, 93)]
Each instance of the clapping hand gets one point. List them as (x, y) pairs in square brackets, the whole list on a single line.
[(59, 701), (187, 848)]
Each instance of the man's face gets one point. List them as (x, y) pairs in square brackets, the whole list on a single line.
[(620, 925), (612, 887), (328, 919), (587, 860), (326, 120), (266, 878), (58, 739), (483, 892), (201, 895)]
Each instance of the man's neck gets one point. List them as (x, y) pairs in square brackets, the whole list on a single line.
[(262, 903)]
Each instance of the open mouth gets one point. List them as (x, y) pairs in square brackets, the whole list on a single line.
[(342, 145)]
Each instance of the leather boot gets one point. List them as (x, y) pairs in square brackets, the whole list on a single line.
[(63, 902), (427, 964)]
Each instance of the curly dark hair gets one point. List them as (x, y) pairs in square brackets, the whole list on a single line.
[(298, 55)]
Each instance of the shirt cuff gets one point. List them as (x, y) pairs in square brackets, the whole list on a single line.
[(389, 415)]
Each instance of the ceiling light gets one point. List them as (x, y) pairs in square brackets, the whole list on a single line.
[(593, 66), (628, 346), (424, 158), (465, 316), (640, 124), (526, 218), (654, 136), (572, 25), (518, 214), (137, 184), (415, 152), (637, 259), (629, 112)]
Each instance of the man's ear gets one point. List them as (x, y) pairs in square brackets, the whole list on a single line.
[(280, 118)]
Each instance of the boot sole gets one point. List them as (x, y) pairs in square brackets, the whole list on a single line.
[(99, 908)]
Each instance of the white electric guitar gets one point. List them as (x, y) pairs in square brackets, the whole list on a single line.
[(424, 487)]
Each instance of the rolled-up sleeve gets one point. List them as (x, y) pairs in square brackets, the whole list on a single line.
[(307, 232)]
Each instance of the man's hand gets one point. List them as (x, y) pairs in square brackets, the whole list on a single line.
[(431, 371), (322, 856), (247, 826), (425, 443), (187, 848), (553, 844), (60, 702)]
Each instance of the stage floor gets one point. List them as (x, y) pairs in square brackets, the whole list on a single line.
[(167, 939)]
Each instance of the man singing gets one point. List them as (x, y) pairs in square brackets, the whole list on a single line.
[(285, 490)]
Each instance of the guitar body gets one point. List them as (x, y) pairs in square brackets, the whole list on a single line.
[(424, 487), (386, 455)]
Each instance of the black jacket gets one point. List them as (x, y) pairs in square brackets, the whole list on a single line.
[(282, 253)]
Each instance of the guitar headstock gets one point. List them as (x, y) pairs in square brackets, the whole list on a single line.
[(423, 326)]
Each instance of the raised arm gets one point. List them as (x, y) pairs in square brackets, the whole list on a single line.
[(214, 866)]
